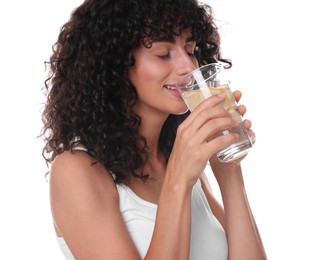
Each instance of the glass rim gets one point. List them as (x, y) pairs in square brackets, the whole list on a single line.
[(218, 65)]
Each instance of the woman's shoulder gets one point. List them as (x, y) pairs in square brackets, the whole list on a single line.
[(78, 171), (73, 160), (85, 207)]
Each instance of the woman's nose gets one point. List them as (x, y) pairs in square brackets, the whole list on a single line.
[(186, 63)]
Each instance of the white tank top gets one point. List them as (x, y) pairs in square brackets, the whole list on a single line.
[(208, 239)]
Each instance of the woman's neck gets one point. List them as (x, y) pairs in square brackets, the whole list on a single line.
[(150, 129)]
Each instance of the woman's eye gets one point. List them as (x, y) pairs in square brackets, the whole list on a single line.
[(164, 56), (191, 51)]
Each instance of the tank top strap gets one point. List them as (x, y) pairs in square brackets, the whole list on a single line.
[(79, 148), (84, 149)]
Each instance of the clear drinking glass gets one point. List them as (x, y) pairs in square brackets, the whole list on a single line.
[(207, 81)]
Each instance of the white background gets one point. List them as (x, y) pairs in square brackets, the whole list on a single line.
[(274, 51)]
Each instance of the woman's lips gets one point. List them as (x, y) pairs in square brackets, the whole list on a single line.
[(172, 89)]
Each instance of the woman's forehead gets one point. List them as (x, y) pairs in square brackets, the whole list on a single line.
[(163, 37)]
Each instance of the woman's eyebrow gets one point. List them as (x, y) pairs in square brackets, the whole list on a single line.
[(173, 40)]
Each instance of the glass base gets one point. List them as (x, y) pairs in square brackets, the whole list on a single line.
[(234, 151)]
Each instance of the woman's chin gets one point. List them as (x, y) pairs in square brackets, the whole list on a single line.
[(181, 111)]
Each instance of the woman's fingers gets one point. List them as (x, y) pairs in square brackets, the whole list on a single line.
[(241, 109), (251, 133), (237, 95), (214, 128), (207, 104), (247, 123), (210, 119), (219, 143), (206, 120)]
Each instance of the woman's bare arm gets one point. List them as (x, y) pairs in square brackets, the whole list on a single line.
[(85, 209), (243, 237)]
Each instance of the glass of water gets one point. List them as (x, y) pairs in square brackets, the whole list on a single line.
[(207, 81)]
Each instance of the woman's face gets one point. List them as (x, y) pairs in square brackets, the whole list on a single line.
[(156, 72)]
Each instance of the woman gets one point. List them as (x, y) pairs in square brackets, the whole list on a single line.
[(127, 162)]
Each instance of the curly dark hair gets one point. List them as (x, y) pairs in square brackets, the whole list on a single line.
[(89, 95)]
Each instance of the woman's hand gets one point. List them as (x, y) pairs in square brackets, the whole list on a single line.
[(242, 110), (197, 140), (218, 166)]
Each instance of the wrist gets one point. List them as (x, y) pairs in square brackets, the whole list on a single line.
[(227, 174), (177, 185), (179, 178), (220, 168)]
